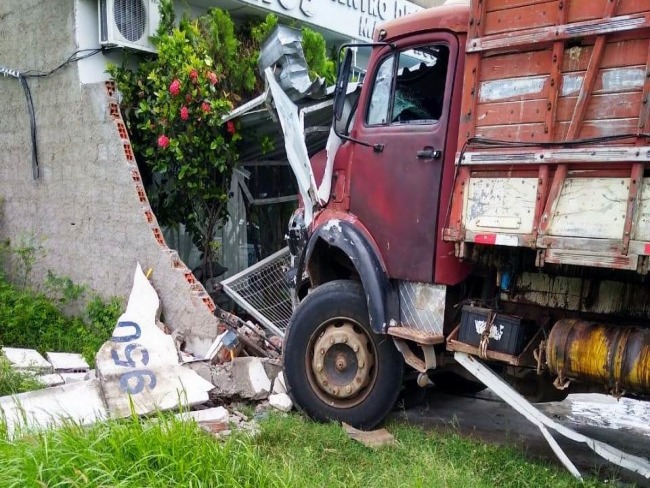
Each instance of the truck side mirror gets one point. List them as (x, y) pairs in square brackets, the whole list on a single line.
[(342, 81)]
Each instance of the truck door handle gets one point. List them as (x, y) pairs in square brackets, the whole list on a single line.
[(429, 153)]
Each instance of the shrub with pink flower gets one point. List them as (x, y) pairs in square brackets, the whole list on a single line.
[(175, 88), (175, 104), (163, 141)]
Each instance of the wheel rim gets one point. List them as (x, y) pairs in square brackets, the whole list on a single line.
[(341, 363)]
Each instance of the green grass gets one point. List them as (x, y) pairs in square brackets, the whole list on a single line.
[(289, 452), (33, 320), (312, 454)]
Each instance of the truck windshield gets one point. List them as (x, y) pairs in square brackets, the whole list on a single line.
[(409, 87)]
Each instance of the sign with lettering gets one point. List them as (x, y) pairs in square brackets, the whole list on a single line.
[(355, 19)]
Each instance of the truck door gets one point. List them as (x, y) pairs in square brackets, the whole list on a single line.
[(395, 191)]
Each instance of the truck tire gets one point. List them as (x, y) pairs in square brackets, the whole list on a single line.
[(336, 368)]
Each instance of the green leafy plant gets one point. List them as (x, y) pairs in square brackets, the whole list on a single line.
[(174, 105), (32, 320), (315, 49), (17, 261), (267, 144), (62, 289), (13, 382)]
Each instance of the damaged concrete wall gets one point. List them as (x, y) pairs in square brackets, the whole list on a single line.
[(88, 209)]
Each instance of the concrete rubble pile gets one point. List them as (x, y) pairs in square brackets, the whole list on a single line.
[(143, 370)]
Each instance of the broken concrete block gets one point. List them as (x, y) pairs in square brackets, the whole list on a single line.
[(27, 360), (278, 384), (216, 414), (139, 367), (281, 401), (50, 380), (80, 402), (243, 378), (259, 379), (273, 367), (73, 377), (91, 375), (202, 368), (67, 362)]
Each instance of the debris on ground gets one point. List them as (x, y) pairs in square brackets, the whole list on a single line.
[(281, 401), (65, 362), (143, 370), (371, 438), (27, 360)]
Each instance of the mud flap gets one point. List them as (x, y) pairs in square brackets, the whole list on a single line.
[(520, 404)]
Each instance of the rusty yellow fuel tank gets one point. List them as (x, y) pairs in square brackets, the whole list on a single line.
[(616, 357)]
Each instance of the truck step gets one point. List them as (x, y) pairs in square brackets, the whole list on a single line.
[(421, 337)]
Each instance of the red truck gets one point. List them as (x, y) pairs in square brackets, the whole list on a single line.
[(491, 196)]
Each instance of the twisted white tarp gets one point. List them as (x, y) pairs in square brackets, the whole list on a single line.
[(635, 464)]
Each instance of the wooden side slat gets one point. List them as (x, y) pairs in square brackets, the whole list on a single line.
[(520, 112), (537, 36), (629, 52), (513, 89), (581, 10), (520, 18), (529, 63), (602, 107), (613, 80), (535, 132), (493, 5)]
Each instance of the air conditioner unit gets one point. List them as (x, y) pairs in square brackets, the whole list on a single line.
[(128, 23)]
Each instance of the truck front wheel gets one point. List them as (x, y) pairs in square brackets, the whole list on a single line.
[(335, 367)]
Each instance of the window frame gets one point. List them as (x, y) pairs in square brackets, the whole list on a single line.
[(391, 103)]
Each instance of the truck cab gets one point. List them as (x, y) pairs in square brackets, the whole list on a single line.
[(375, 249), (388, 281)]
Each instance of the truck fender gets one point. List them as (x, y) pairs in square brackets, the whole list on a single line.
[(363, 256)]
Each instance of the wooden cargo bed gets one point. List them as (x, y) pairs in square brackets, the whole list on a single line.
[(555, 131)]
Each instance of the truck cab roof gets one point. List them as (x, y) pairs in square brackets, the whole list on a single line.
[(451, 17)]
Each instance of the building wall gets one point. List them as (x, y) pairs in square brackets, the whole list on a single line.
[(87, 209)]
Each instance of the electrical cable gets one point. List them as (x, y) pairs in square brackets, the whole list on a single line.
[(22, 77), (73, 58), (474, 141), (32, 126)]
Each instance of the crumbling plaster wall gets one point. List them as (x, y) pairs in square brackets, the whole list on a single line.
[(87, 209)]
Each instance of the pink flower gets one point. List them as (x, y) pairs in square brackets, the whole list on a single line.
[(185, 113), (212, 77), (194, 75), (205, 106), (175, 88), (163, 141), (230, 127)]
